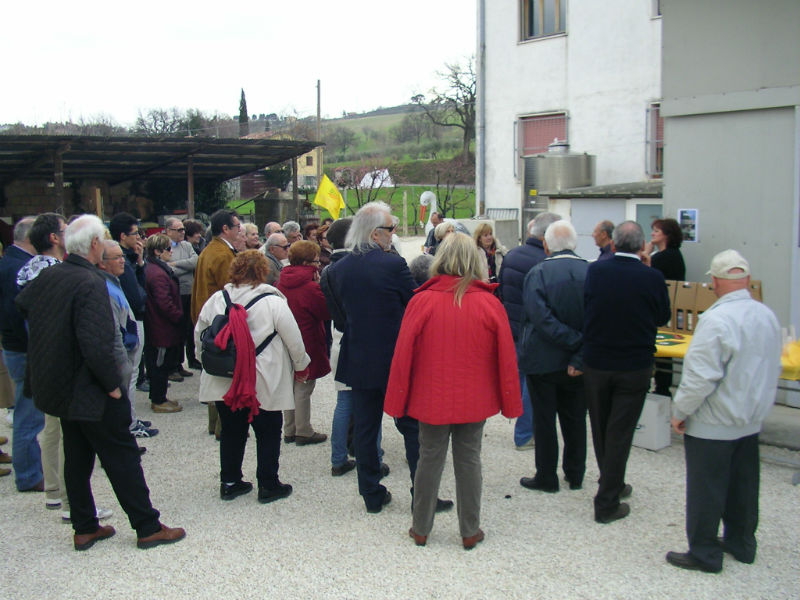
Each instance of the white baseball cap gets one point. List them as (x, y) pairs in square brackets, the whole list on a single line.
[(726, 261)]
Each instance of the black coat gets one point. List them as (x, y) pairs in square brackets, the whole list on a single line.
[(12, 325), (551, 334), (515, 267), (71, 362), (373, 289)]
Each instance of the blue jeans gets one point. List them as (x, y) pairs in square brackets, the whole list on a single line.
[(341, 423), (28, 422), (523, 429)]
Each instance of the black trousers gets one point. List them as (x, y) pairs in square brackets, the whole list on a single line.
[(188, 331), (663, 376), (267, 426), (367, 416), (722, 480), (159, 368), (615, 400), (558, 394), (111, 441)]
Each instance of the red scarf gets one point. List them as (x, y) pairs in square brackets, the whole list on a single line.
[(242, 393)]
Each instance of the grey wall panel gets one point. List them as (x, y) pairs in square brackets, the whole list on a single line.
[(738, 169)]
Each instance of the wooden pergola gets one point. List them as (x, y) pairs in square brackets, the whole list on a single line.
[(121, 159)]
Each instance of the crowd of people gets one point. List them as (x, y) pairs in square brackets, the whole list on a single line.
[(536, 333)]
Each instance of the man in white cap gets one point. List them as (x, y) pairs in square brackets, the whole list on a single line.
[(729, 381)]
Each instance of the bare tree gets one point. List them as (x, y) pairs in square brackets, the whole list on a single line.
[(159, 121), (340, 138), (454, 106)]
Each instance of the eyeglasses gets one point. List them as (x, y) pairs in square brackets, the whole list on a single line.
[(387, 227), (286, 247), (119, 257), (316, 262), (181, 229)]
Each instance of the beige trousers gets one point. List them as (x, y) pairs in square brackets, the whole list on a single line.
[(53, 461), (298, 421)]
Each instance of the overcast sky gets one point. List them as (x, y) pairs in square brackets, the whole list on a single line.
[(70, 60)]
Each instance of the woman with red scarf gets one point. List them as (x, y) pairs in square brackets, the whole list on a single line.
[(261, 388), (490, 249), (299, 282)]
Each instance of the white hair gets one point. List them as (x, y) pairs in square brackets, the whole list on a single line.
[(367, 219), (561, 235), (542, 222), (81, 232)]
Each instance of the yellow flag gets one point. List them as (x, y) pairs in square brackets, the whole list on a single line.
[(329, 197)]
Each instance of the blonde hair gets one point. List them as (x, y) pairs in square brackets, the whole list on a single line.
[(480, 230), (442, 230), (459, 256)]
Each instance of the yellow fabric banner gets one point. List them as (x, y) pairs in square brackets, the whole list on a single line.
[(329, 197)]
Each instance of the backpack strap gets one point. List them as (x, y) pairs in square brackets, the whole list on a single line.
[(227, 299), (257, 298), (271, 336)]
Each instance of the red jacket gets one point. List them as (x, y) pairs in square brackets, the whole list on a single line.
[(163, 312), (454, 364), (308, 306)]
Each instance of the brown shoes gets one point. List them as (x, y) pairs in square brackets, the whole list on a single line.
[(419, 540), (473, 540), (3, 440), (39, 487), (170, 406), (314, 438), (5, 458), (167, 535), (4, 472), (84, 541)]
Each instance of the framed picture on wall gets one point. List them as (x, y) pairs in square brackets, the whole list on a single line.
[(687, 217)]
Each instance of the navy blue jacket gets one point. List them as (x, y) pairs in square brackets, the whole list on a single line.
[(373, 289), (552, 323), (12, 325), (625, 302), (515, 267), (132, 282)]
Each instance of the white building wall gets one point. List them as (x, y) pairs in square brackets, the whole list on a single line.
[(604, 72)]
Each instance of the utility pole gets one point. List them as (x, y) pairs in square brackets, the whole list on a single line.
[(319, 136)]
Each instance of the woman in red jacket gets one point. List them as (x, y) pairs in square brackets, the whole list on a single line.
[(299, 282), (162, 322), (456, 318)]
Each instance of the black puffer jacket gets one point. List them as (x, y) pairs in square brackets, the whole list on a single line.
[(515, 267), (71, 362)]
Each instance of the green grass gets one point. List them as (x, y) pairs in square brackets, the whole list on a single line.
[(393, 197)]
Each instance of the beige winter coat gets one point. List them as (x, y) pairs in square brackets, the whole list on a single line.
[(276, 364)]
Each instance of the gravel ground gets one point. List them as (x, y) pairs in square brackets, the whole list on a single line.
[(320, 542)]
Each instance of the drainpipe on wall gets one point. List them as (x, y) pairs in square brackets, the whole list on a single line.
[(480, 130)]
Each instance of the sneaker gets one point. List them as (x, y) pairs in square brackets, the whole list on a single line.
[(143, 423), (229, 491), (52, 503), (143, 387), (102, 513), (140, 431)]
